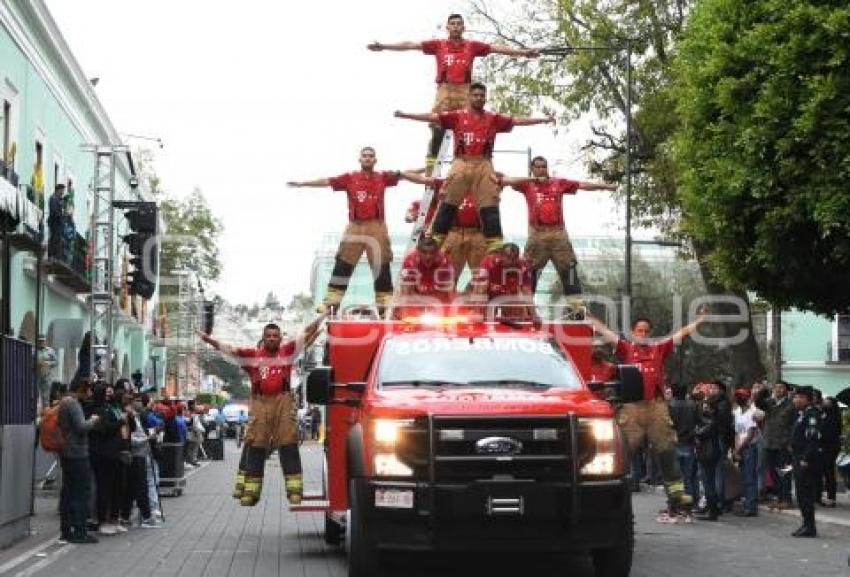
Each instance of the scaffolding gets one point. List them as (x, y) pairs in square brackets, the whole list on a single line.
[(102, 246)]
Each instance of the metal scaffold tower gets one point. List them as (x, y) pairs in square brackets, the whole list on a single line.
[(102, 243)]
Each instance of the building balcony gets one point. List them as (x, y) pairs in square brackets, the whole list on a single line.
[(19, 204), (69, 264), (8, 174)]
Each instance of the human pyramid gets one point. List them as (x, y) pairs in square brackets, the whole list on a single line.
[(462, 223)]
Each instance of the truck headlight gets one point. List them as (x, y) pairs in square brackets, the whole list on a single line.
[(388, 465), (386, 431), (606, 455)]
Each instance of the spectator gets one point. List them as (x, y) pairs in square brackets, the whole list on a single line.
[(195, 436), (685, 415), (46, 361), (55, 216), (154, 425), (83, 372), (830, 447), (316, 415), (74, 462), (105, 444), (708, 454), (779, 416), (726, 432), (137, 479), (747, 416), (69, 232)]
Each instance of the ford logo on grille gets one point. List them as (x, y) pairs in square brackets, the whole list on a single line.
[(498, 446)]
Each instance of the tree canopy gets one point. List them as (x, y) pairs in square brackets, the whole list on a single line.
[(763, 148)]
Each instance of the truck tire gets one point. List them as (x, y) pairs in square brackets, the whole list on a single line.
[(333, 532), (616, 561), (362, 553)]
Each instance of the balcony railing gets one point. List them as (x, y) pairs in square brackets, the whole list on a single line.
[(26, 217)]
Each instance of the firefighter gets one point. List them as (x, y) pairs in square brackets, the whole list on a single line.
[(475, 133), (504, 278), (650, 416), (465, 244), (547, 235), (427, 275), (455, 57), (273, 414), (366, 230), (806, 458)]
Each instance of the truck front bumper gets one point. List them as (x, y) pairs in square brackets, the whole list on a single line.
[(497, 515)]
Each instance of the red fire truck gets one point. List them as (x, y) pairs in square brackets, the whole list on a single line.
[(446, 433)]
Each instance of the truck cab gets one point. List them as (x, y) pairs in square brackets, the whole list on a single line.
[(446, 433)]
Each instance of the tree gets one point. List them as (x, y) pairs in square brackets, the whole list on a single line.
[(764, 147), (593, 84), (191, 239)]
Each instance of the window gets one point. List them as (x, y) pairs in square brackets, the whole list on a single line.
[(842, 337), (6, 160)]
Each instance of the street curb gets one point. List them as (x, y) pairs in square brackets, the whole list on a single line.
[(820, 515)]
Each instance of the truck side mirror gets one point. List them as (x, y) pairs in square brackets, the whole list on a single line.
[(631, 384), (319, 383)]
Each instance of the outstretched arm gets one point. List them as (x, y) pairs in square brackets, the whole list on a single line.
[(308, 334), (511, 180), (522, 121), (397, 46), (317, 183), (431, 117), (515, 52), (679, 335), (602, 330), (596, 186), (416, 177), (216, 344)]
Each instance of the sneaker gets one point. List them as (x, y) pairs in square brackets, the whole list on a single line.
[(63, 538), (107, 529), (119, 528), (157, 514), (150, 523), (83, 538), (124, 523)]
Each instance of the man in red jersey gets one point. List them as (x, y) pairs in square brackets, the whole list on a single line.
[(547, 235), (426, 272), (650, 417), (465, 244), (366, 230), (273, 417), (455, 57), (505, 278), (475, 133)]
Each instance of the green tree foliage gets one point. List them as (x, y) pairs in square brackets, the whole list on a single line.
[(764, 146), (191, 239)]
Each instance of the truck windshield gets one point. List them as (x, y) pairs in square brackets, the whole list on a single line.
[(498, 361)]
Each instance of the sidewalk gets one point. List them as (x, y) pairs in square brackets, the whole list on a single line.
[(205, 531)]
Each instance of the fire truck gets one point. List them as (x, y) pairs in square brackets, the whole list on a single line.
[(449, 433)]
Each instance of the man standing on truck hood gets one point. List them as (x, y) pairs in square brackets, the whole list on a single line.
[(650, 416), (272, 424)]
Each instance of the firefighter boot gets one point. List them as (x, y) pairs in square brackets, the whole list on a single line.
[(294, 488), (677, 499), (251, 492), (239, 487)]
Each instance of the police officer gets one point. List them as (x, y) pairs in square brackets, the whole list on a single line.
[(805, 455)]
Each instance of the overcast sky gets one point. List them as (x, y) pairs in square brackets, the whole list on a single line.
[(248, 95)]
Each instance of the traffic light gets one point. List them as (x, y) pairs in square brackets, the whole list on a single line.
[(143, 245), (209, 317)]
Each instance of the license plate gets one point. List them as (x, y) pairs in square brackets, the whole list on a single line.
[(393, 499)]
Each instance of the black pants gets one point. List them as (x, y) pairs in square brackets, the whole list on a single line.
[(778, 459), (74, 495), (830, 454), (137, 488), (106, 474), (806, 485)]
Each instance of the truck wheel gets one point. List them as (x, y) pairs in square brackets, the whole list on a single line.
[(616, 561), (333, 532), (362, 553)]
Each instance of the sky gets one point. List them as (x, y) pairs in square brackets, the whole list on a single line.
[(247, 96)]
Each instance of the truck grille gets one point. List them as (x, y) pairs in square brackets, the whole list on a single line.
[(453, 449)]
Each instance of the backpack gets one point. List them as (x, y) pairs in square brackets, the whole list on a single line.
[(50, 433)]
